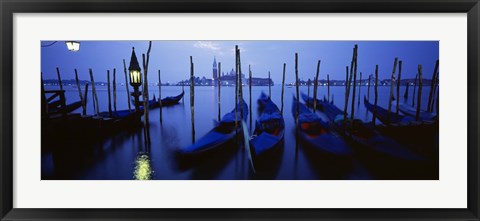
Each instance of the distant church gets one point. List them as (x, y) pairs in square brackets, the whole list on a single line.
[(230, 78), (215, 70)]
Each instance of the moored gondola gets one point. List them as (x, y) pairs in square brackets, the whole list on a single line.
[(221, 134), (268, 135), (411, 111), (167, 101), (384, 116), (316, 133)]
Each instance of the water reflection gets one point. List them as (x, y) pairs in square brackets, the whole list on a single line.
[(143, 168), (106, 160)]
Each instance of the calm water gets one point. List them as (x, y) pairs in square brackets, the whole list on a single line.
[(118, 158)]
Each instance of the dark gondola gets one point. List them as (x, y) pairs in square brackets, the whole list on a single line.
[(383, 115), (316, 133), (168, 101), (361, 133), (172, 100), (221, 134), (411, 111), (309, 101), (268, 134), (55, 108), (262, 100)]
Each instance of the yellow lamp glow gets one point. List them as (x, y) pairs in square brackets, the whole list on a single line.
[(135, 78), (73, 45), (143, 169)]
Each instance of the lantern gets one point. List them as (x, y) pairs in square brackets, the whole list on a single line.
[(73, 45)]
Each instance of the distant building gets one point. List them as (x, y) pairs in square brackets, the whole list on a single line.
[(215, 70)]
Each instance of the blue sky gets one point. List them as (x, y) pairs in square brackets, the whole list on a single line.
[(172, 58)]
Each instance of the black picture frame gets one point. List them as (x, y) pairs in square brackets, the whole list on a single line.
[(9, 7)]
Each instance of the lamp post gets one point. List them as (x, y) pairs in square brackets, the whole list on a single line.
[(135, 78), (73, 45)]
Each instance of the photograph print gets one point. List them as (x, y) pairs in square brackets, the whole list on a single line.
[(239, 110)]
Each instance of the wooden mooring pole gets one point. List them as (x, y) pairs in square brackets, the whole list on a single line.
[(432, 88), (419, 100), (250, 93), (354, 84), (94, 93), (390, 95), (283, 85), (368, 87), (44, 97), (219, 87), (405, 95), (160, 95), (315, 87), (308, 87), (126, 85), (192, 98), (236, 86), (109, 95), (348, 85), (59, 79), (435, 88), (145, 95), (374, 115), (359, 89), (269, 86), (240, 85), (79, 91), (114, 90), (345, 108), (297, 84), (84, 101), (328, 88), (414, 90), (398, 85)]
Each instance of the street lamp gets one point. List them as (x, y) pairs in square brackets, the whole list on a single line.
[(135, 78), (73, 45)]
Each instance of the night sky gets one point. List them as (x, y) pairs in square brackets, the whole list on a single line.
[(172, 58)]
